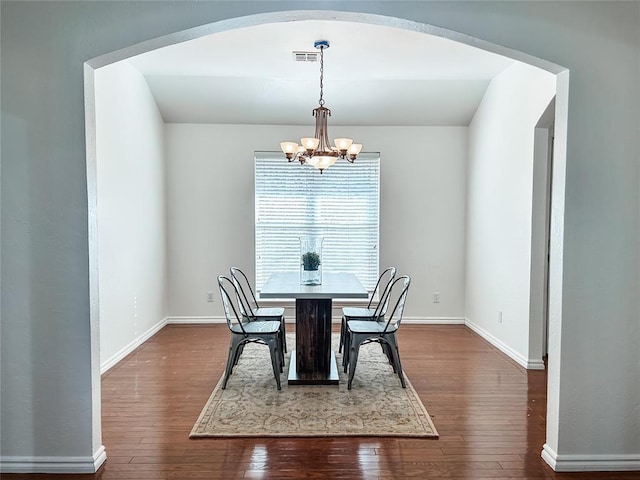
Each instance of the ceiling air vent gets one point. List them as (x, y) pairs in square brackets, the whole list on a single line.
[(305, 56)]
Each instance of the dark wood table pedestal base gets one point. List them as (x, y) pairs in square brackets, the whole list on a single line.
[(313, 362)]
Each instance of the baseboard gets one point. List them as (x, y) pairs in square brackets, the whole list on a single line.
[(590, 463), (529, 364), (335, 319), (535, 364), (194, 320), (433, 320), (126, 350), (53, 464)]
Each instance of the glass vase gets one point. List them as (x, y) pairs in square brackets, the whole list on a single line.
[(311, 260)]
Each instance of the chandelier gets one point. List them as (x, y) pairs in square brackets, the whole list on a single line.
[(316, 150)]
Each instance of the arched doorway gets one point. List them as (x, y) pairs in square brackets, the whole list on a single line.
[(282, 17)]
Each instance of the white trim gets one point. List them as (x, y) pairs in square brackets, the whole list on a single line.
[(549, 455), (590, 463), (336, 303), (54, 464), (535, 364), (527, 363), (194, 320), (135, 343), (99, 458), (433, 320), (335, 319)]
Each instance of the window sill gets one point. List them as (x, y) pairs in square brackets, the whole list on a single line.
[(336, 303)]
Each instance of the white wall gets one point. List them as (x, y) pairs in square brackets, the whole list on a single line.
[(210, 171), (131, 211), (47, 402), (500, 193)]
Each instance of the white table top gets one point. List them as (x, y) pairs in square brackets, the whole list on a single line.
[(334, 285)]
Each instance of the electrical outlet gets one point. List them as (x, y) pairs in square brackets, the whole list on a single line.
[(436, 297), (499, 316), (209, 296)]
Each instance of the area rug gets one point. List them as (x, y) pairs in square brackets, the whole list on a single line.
[(251, 406)]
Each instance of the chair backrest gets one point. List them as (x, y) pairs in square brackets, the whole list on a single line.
[(384, 281), (246, 298), (399, 290), (229, 293)]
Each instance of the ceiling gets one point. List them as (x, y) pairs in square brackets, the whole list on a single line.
[(373, 75)]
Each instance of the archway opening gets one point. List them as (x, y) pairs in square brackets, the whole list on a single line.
[(245, 22)]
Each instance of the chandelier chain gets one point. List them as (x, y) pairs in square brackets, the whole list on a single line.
[(321, 101)]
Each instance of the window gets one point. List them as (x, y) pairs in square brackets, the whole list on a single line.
[(341, 205)]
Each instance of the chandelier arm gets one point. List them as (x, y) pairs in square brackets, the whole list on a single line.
[(300, 157)]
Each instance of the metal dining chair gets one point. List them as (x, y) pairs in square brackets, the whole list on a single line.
[(249, 307), (243, 332), (369, 313), (360, 332)]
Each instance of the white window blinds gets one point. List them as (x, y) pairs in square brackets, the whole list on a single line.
[(341, 205)]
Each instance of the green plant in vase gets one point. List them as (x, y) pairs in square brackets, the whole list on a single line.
[(310, 261)]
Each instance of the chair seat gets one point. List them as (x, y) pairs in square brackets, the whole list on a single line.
[(257, 327), (358, 312), (268, 312), (265, 314), (369, 327)]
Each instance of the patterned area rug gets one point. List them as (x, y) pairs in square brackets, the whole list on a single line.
[(251, 406)]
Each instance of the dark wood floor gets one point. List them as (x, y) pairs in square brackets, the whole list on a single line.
[(490, 414)]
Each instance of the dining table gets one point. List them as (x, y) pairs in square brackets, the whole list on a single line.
[(313, 362)]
